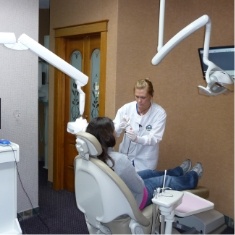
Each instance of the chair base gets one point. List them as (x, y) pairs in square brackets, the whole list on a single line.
[(121, 224)]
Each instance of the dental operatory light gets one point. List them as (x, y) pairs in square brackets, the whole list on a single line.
[(218, 81), (24, 42)]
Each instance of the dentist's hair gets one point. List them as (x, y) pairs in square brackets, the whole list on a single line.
[(145, 83), (103, 129)]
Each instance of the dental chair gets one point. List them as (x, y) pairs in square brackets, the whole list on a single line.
[(110, 208), (107, 203)]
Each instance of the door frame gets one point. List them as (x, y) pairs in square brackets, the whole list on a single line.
[(59, 89)]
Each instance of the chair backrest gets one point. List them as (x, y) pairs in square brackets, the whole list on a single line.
[(100, 193)]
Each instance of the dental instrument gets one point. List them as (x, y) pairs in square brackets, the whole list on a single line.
[(24, 42), (186, 211), (164, 180), (218, 81)]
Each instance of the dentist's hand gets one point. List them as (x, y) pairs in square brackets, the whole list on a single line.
[(122, 125), (131, 134), (125, 122)]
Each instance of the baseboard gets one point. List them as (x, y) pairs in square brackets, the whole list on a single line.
[(27, 214)]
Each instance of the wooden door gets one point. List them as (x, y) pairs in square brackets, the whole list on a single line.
[(84, 38), (83, 53)]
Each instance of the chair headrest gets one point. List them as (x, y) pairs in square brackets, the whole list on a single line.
[(87, 145)]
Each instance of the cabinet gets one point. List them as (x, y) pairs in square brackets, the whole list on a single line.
[(9, 155)]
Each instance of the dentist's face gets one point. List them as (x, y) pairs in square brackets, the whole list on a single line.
[(142, 98)]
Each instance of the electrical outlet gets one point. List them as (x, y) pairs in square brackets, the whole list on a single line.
[(17, 114)]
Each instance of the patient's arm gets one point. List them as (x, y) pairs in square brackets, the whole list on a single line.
[(126, 171)]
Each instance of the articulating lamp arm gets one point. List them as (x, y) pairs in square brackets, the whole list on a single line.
[(7, 38), (181, 35), (218, 81), (25, 42), (80, 78)]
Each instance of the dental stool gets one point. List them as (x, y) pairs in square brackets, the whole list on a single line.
[(107, 203)]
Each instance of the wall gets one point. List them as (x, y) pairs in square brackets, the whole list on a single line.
[(198, 127), (19, 93)]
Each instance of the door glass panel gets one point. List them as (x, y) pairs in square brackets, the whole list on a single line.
[(95, 83), (76, 61)]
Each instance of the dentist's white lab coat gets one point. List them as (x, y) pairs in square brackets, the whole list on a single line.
[(149, 129)]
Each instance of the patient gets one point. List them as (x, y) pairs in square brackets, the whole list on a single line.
[(143, 183)]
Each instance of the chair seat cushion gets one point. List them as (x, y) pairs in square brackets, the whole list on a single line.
[(148, 211)]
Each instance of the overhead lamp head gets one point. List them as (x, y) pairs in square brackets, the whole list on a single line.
[(218, 82)]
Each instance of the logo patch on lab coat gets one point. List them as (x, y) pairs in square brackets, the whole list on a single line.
[(149, 128)]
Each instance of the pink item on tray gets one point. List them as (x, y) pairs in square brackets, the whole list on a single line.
[(192, 204)]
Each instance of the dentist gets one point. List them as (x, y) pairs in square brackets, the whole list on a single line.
[(143, 123)]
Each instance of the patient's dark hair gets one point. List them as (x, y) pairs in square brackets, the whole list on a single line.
[(103, 129)]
